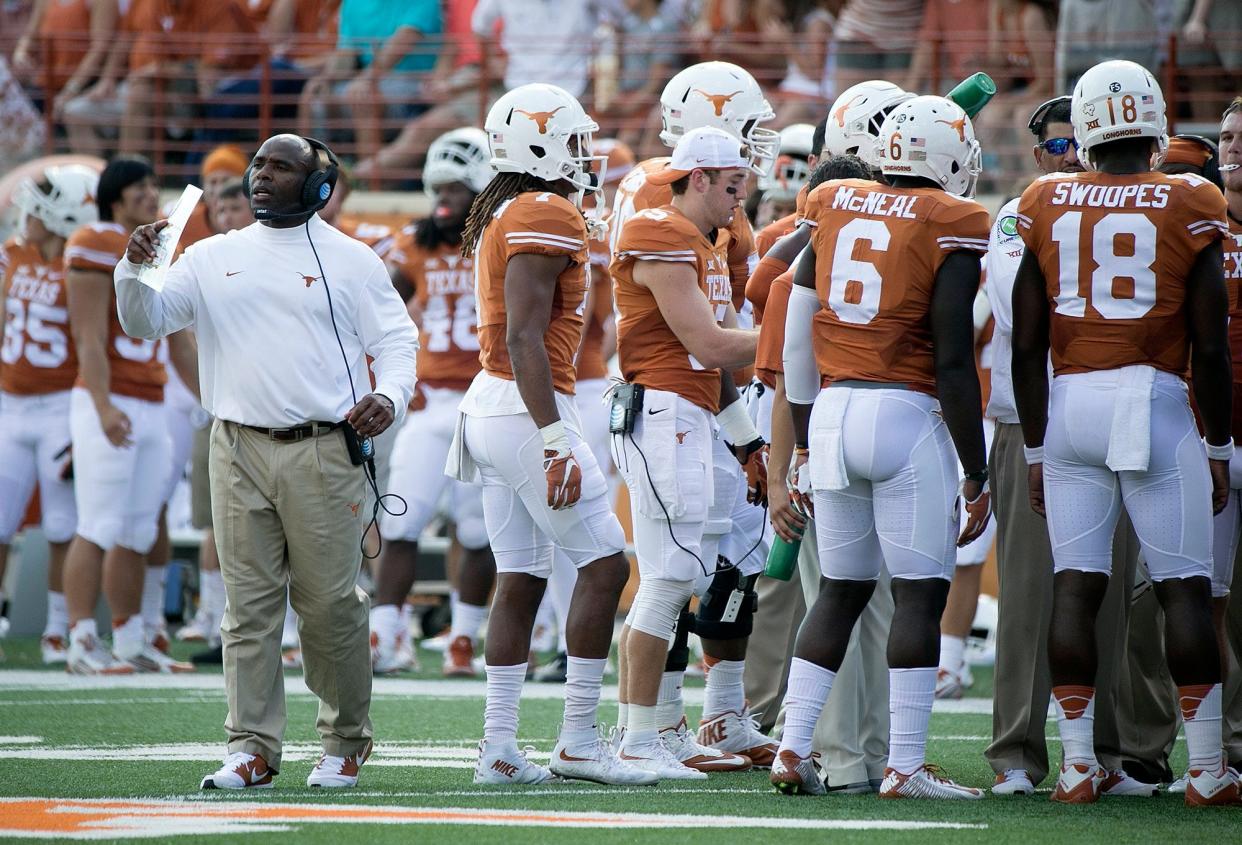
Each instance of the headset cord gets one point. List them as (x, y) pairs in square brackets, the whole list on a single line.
[(368, 467)]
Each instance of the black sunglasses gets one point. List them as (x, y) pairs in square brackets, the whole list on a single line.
[(1057, 146)]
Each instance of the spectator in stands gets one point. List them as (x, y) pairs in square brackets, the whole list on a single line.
[(21, 131), (874, 39), (802, 31), (1119, 29), (76, 35), (231, 209), (221, 166), (732, 31), (1212, 46), (952, 43), (178, 47), (383, 51)]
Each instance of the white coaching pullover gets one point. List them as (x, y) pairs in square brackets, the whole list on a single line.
[(267, 352)]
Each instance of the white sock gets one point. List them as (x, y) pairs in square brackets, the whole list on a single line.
[(211, 592), (153, 598), (670, 708), (407, 616), (84, 629), (910, 696), (1201, 719), (289, 636), (623, 714), (805, 695), (386, 621), (583, 680), (952, 651), (640, 729), (57, 616), (129, 636), (1076, 721), (468, 620), (724, 692), (504, 690)]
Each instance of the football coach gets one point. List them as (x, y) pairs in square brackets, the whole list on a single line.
[(286, 311)]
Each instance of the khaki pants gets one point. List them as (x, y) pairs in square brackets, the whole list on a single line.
[(288, 519), (1024, 567), (1147, 712)]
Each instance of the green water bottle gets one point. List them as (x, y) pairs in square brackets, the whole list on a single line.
[(973, 93), (783, 557)]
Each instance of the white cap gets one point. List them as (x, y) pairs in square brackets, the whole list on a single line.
[(706, 148)]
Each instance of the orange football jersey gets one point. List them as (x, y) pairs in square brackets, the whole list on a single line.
[(443, 307), (635, 193), (770, 354), (374, 235), (1115, 251), (591, 363), (651, 355), (37, 355), (759, 285), (877, 252), (1233, 282), (542, 224), (134, 364)]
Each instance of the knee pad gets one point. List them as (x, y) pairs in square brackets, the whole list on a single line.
[(58, 527), (139, 537), (727, 609), (679, 650), (657, 605), (472, 533)]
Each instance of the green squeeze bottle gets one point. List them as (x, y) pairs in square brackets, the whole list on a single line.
[(973, 93), (783, 557)]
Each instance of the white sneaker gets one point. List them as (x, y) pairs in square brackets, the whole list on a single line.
[(738, 733), (240, 771), (389, 656), (927, 781), (53, 648), (687, 750), (794, 775), (1212, 789), (597, 762), (194, 631), (88, 656), (1118, 783), (437, 643), (1013, 782), (1179, 786), (657, 758), (948, 684), (1079, 783), (505, 764), (148, 658), (338, 772)]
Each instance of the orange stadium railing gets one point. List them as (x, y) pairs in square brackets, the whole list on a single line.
[(175, 122)]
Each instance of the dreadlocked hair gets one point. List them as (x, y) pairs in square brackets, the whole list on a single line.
[(502, 188)]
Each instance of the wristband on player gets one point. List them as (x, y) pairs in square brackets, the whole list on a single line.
[(1223, 452), (736, 426), (1033, 454), (554, 438)]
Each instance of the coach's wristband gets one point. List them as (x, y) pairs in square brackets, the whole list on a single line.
[(554, 437), (1219, 453), (1033, 455), (735, 424)]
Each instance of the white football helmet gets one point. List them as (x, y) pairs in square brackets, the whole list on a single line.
[(543, 130), (791, 170), (724, 96), (1118, 99), (462, 156), (855, 118), (69, 202), (931, 137)]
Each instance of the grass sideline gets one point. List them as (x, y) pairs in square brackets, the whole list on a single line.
[(157, 742)]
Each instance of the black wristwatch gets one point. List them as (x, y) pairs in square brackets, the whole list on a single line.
[(981, 476)]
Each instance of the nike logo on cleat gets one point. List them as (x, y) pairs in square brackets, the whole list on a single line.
[(506, 769), (568, 759)]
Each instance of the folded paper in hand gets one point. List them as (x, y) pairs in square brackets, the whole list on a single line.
[(152, 274)]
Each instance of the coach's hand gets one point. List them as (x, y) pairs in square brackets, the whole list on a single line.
[(144, 242), (372, 415)]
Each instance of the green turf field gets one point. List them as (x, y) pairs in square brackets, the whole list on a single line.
[(150, 739)]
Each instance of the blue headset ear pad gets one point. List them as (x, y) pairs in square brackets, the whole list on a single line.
[(325, 191)]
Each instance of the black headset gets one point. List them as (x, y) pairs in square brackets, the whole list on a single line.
[(316, 189)]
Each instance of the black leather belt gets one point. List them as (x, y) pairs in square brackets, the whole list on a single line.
[(297, 432)]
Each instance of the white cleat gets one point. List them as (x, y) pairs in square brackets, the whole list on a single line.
[(194, 631), (148, 658), (338, 772), (596, 761), (88, 656), (1212, 789), (389, 656), (927, 781), (794, 775), (53, 648), (948, 684), (658, 758), (240, 771), (504, 764), (1178, 786), (1079, 783), (738, 733), (686, 749), (1013, 782), (1118, 783)]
